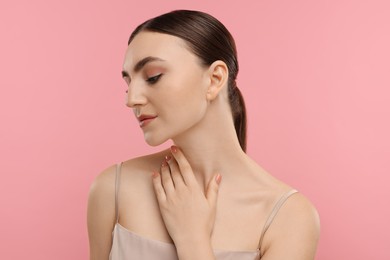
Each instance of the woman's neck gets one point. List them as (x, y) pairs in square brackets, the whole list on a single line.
[(211, 146)]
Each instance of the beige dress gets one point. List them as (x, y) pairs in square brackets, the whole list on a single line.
[(127, 245)]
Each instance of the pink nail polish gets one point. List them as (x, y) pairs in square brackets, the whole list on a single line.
[(218, 178), (163, 164), (167, 158), (174, 149)]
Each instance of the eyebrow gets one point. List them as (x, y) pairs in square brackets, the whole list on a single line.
[(140, 64)]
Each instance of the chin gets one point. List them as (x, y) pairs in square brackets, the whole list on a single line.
[(153, 141)]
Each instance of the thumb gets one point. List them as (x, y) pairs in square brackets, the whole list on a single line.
[(212, 189)]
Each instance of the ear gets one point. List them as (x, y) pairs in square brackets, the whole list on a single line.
[(218, 74)]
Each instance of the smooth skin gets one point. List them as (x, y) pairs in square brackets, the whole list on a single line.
[(183, 206), (182, 202)]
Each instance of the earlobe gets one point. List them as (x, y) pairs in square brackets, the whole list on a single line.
[(218, 73)]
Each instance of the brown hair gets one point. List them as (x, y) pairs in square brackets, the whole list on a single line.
[(209, 39)]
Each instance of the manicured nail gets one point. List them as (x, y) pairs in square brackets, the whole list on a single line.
[(218, 178), (167, 158), (174, 149), (155, 174), (164, 164)]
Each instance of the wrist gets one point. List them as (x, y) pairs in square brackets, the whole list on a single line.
[(191, 238), (195, 248)]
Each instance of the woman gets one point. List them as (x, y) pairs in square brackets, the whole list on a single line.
[(204, 198)]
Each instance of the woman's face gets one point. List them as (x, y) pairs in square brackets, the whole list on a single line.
[(166, 82)]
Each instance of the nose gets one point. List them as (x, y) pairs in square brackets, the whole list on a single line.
[(135, 97)]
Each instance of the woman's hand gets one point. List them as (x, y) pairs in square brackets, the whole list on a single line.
[(188, 214)]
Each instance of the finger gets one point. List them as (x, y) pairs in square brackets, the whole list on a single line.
[(166, 179), (184, 166), (158, 188), (212, 190), (175, 171)]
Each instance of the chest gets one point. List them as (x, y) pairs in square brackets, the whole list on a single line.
[(239, 219), (129, 245)]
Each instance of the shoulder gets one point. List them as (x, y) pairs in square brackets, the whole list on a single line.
[(104, 183), (294, 232), (101, 213), (139, 168), (101, 200), (300, 213), (145, 162), (103, 186)]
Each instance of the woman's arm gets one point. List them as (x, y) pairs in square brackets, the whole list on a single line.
[(101, 214), (188, 213), (294, 233)]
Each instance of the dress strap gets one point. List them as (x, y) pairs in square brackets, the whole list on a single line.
[(273, 213), (117, 182)]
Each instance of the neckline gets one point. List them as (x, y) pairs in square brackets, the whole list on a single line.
[(132, 233)]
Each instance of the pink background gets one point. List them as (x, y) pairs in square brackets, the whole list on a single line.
[(315, 75)]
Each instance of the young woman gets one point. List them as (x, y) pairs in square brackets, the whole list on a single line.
[(204, 198)]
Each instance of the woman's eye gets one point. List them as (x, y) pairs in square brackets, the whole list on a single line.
[(153, 79)]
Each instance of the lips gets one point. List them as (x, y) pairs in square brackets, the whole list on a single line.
[(145, 119)]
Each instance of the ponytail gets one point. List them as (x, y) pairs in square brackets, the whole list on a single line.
[(237, 105)]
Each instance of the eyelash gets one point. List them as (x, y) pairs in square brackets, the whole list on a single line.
[(154, 79)]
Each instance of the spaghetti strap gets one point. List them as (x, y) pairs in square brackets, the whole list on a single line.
[(117, 182), (273, 213)]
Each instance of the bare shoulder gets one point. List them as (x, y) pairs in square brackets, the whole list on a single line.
[(144, 163), (101, 214), (103, 182), (103, 185), (295, 231)]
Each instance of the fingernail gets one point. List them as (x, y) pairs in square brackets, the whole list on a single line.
[(218, 178), (163, 164), (167, 158), (155, 174), (174, 149)]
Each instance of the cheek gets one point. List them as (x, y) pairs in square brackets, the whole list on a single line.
[(188, 100), (189, 109), (191, 89), (181, 99)]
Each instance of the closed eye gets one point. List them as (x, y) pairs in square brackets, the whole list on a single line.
[(154, 79)]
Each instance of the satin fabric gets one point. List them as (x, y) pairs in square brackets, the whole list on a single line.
[(127, 245)]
